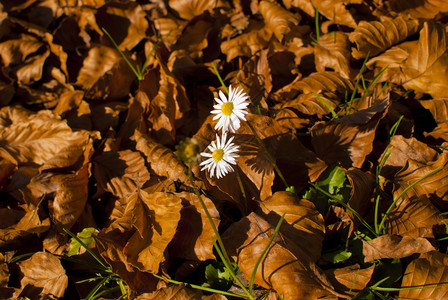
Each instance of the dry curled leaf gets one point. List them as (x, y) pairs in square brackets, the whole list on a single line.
[(40, 137), (44, 275), (347, 141), (394, 246), (438, 108), (313, 94), (434, 185), (391, 62), (138, 238), (194, 235), (71, 197), (424, 277), (161, 159), (350, 279), (120, 173), (246, 44), (424, 9), (302, 223), (125, 22), (411, 216), (425, 67), (336, 11), (404, 149), (278, 19), (189, 9), (169, 102), (332, 51), (292, 273), (372, 38), (22, 224), (178, 292), (99, 60), (362, 184)]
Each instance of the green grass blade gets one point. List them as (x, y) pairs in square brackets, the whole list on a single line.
[(137, 74), (93, 292), (381, 227), (219, 246), (260, 258), (333, 113), (145, 64), (355, 89), (198, 287), (354, 212), (106, 268), (219, 78)]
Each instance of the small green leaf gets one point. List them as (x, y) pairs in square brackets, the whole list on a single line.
[(218, 277), (86, 236), (291, 189), (330, 181), (336, 256)]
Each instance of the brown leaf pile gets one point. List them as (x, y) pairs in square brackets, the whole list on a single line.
[(84, 143)]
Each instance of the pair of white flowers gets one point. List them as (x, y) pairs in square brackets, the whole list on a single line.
[(229, 111)]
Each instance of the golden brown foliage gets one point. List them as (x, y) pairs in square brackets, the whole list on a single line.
[(90, 129)]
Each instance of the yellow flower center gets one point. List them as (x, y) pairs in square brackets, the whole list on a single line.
[(218, 154), (227, 108)]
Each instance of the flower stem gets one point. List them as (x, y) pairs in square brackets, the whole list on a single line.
[(240, 183), (219, 245), (269, 156)]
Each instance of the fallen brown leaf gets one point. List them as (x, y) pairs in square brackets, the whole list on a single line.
[(424, 67), (347, 141), (332, 52), (278, 19), (351, 279), (425, 277), (302, 224), (120, 173), (140, 236), (44, 275), (394, 246), (178, 292), (38, 138), (426, 9), (374, 37), (194, 235), (281, 268)]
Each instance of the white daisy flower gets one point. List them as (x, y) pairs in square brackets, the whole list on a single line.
[(223, 155), (230, 110)]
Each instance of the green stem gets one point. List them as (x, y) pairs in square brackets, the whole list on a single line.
[(354, 212), (87, 249), (375, 219), (229, 267), (199, 287), (105, 292), (254, 272), (92, 293), (269, 156), (355, 89), (381, 227), (219, 77), (137, 74), (240, 183), (316, 23), (209, 217), (333, 113), (220, 247)]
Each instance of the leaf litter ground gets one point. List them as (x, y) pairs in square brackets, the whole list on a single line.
[(105, 106)]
